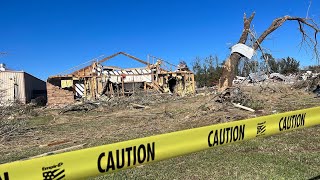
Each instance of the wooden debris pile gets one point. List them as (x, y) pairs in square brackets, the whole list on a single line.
[(310, 84)]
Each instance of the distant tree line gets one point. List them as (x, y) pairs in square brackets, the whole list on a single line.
[(284, 66), (208, 70)]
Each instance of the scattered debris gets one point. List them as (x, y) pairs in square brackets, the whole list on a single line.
[(317, 90), (308, 75), (278, 76), (239, 80), (262, 78), (233, 95), (257, 77), (310, 84), (167, 113)]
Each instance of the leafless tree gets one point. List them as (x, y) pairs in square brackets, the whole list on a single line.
[(304, 24)]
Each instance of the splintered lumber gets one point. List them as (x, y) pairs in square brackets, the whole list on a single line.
[(111, 89), (55, 143), (158, 87), (243, 107)]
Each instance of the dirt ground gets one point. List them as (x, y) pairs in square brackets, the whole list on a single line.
[(117, 121)]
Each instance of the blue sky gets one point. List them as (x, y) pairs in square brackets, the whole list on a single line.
[(47, 37)]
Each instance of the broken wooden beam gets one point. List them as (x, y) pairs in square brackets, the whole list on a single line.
[(243, 107)]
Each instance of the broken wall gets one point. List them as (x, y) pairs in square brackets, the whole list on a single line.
[(58, 96)]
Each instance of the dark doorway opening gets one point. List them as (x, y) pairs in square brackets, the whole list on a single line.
[(172, 83)]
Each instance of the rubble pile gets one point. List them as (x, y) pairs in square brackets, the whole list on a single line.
[(261, 77), (311, 84)]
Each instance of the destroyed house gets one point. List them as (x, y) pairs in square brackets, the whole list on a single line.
[(97, 80)]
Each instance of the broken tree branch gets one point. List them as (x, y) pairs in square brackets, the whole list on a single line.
[(301, 21), (58, 151), (246, 28)]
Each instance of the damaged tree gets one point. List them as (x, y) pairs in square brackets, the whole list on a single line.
[(231, 64)]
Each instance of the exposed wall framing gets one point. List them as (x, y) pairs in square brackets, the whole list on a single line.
[(96, 80)]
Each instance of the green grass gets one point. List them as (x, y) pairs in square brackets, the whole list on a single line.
[(40, 120), (294, 155)]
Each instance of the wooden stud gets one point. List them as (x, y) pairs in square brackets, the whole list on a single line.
[(122, 81)]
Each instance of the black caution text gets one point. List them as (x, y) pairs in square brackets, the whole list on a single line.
[(126, 157), (226, 135), (291, 122), (5, 176)]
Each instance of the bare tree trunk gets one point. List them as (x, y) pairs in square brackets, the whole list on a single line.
[(229, 67), (228, 71)]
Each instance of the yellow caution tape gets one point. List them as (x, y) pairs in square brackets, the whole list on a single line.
[(113, 157)]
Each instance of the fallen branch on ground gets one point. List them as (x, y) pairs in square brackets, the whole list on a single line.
[(58, 151), (138, 106)]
